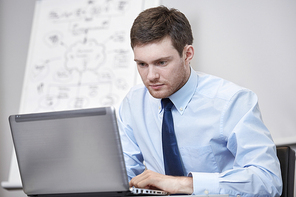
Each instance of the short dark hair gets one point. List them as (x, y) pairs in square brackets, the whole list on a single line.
[(156, 23)]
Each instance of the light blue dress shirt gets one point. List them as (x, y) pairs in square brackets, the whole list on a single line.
[(223, 142)]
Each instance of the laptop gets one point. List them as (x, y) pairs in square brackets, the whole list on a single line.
[(71, 153)]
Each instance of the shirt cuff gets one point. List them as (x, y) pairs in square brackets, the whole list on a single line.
[(205, 183)]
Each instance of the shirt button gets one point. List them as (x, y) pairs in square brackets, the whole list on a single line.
[(181, 109), (206, 192), (238, 195)]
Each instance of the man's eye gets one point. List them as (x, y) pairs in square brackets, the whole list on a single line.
[(162, 62), (141, 64)]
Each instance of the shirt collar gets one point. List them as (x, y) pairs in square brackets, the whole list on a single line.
[(182, 97)]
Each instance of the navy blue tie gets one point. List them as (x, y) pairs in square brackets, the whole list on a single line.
[(172, 161)]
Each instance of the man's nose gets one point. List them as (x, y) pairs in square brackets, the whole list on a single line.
[(152, 73)]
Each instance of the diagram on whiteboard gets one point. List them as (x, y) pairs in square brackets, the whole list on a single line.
[(80, 55)]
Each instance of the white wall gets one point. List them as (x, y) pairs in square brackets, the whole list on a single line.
[(253, 44), (15, 26), (250, 42)]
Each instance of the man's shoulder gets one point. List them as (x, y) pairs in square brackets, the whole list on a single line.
[(137, 98), (137, 92), (217, 87)]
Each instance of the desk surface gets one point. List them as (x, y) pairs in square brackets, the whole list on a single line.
[(212, 195)]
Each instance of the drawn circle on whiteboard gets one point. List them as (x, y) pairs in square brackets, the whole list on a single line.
[(83, 56), (109, 100), (62, 76), (93, 91)]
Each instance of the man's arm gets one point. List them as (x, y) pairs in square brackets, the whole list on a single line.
[(134, 164), (255, 170), (171, 184)]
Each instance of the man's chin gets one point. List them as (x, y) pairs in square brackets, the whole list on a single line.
[(158, 94)]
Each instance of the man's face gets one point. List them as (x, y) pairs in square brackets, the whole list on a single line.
[(161, 68)]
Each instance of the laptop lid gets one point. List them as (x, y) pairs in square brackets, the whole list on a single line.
[(77, 151)]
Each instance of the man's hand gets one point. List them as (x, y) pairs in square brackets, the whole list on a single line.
[(171, 184)]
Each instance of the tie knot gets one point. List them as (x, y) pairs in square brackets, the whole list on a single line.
[(166, 104)]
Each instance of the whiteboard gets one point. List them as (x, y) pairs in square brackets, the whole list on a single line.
[(79, 57)]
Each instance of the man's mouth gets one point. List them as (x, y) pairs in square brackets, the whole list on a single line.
[(156, 86)]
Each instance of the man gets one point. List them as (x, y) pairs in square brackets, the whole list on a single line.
[(222, 144)]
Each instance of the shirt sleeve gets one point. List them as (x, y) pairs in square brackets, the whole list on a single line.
[(256, 169), (132, 154)]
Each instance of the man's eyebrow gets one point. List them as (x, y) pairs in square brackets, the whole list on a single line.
[(138, 60), (164, 58), (157, 60)]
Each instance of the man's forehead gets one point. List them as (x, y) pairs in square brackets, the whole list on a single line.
[(166, 39), (153, 52)]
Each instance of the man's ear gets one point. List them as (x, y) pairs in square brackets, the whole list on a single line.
[(188, 53)]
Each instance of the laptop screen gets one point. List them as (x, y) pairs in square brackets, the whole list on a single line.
[(76, 151)]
